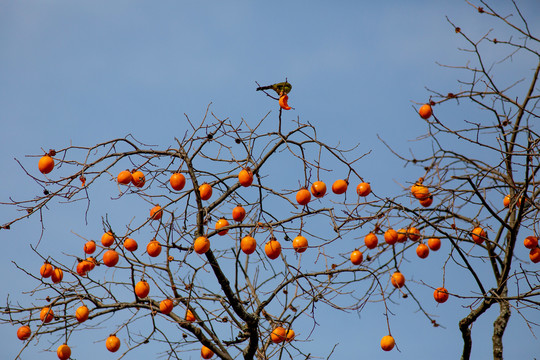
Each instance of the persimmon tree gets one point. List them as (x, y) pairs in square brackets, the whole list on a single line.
[(235, 235)]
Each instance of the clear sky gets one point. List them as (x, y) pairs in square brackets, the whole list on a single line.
[(81, 72)]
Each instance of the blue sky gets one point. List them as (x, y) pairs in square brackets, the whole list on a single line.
[(84, 72)]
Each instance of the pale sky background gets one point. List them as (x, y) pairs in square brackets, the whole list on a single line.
[(82, 72)]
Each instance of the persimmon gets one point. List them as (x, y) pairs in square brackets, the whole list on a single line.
[(46, 314), (303, 196), (387, 343), (110, 258), (24, 332), (83, 267), (142, 289), (530, 242), (107, 239), (357, 257), (81, 314), (248, 244), (91, 263), (434, 243), (112, 343), (57, 275), (189, 316), (422, 250), (371, 240), (45, 164), (138, 179), (222, 223), (390, 236), (90, 247), (300, 244), (166, 306), (478, 235), (425, 111), (238, 213), (272, 249), (506, 201), (63, 352), (363, 189), (177, 181), (153, 248), (318, 189), (290, 335), (205, 190), (156, 212), (420, 191), (124, 177), (427, 201), (206, 353), (130, 244), (413, 233), (397, 279), (201, 245), (46, 270), (245, 177), (402, 235), (278, 335), (283, 102), (441, 295), (339, 186), (534, 255)]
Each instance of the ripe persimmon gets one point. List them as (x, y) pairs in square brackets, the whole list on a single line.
[(46, 164), (81, 314), (110, 258), (83, 267), (425, 111), (57, 275), (339, 186), (278, 335), (434, 243), (206, 353), (112, 343), (222, 223), (534, 255), (24, 332), (363, 189), (138, 179), (46, 270), (422, 251), (318, 189), (441, 295), (130, 244), (63, 352), (248, 244), (427, 201), (402, 235), (420, 191), (272, 248), (189, 316), (357, 257), (142, 289), (300, 244), (371, 240), (46, 314), (478, 235), (201, 245), (107, 239), (124, 177), (283, 102), (413, 233), (530, 242), (397, 279), (506, 201), (156, 212), (387, 343), (177, 181), (153, 248), (390, 236), (303, 196), (205, 190), (166, 306), (90, 247), (290, 335), (245, 177), (238, 213)]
